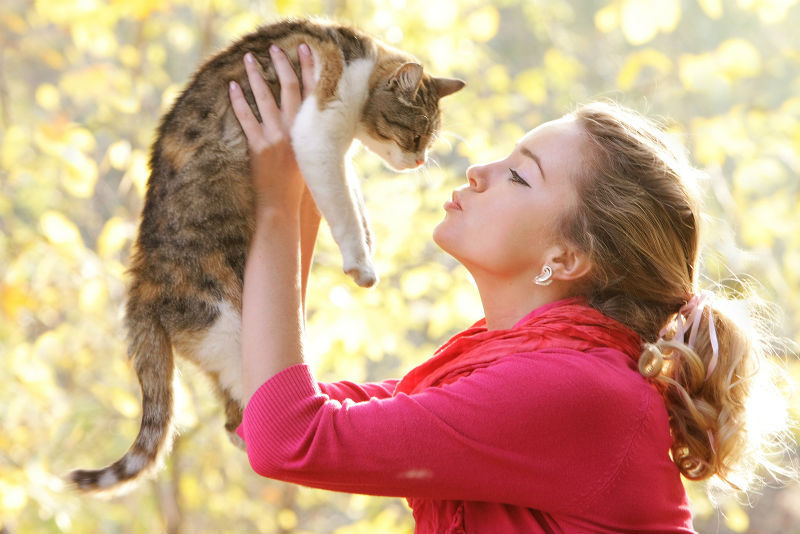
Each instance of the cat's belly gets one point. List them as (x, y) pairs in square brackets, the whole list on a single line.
[(218, 349)]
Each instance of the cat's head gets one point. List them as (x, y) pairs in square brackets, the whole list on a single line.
[(401, 116)]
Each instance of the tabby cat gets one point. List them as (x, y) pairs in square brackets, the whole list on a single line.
[(188, 263)]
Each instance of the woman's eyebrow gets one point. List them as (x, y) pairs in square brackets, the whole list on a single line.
[(527, 153)]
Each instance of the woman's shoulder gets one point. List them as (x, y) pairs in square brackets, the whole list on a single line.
[(600, 381)]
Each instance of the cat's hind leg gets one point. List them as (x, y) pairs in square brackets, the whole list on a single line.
[(217, 351)]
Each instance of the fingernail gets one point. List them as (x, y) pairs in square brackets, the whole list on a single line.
[(274, 49), (233, 85), (249, 57), (304, 49)]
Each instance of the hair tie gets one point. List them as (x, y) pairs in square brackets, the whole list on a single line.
[(688, 321)]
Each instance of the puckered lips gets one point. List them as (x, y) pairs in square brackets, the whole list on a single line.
[(453, 204)]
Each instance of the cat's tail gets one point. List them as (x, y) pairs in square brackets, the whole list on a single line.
[(153, 362)]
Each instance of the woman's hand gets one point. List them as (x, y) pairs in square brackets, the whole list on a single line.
[(283, 239), (277, 180)]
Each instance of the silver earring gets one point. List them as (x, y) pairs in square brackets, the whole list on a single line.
[(544, 278)]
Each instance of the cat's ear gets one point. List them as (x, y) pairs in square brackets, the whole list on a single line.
[(406, 79), (448, 86)]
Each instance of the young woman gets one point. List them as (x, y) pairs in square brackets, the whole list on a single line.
[(600, 374)]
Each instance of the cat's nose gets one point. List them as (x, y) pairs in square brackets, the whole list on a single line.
[(419, 162)]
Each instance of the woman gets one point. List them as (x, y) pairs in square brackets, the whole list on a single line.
[(599, 375)]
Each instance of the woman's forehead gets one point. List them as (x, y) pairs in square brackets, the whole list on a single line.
[(563, 128), (556, 146)]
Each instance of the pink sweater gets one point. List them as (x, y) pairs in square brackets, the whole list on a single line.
[(554, 440)]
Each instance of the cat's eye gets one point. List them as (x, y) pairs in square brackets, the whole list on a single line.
[(515, 177), (416, 142)]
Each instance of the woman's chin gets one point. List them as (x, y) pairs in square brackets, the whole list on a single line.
[(444, 240), (440, 236)]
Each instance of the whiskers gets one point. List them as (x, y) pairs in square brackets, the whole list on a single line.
[(445, 136)]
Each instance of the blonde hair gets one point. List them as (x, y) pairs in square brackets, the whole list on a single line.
[(638, 220)]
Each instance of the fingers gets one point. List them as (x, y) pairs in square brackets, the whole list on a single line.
[(290, 85), (274, 122), (265, 102), (244, 114), (307, 69)]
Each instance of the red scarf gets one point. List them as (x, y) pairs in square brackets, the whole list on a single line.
[(565, 324)]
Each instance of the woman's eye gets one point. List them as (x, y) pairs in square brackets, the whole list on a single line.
[(517, 178)]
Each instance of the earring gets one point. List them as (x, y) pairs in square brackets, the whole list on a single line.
[(544, 278)]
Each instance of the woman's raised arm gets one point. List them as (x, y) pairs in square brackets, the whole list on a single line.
[(272, 303)]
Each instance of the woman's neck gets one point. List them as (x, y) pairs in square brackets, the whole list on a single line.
[(506, 301)]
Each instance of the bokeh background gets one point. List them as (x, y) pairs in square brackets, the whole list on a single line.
[(82, 86)]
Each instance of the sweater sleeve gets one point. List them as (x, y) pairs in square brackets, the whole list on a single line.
[(528, 431), (346, 390)]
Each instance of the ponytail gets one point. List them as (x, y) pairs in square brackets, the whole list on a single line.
[(714, 375)]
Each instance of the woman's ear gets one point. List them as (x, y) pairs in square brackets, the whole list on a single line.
[(568, 263)]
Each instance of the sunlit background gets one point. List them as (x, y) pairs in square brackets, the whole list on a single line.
[(82, 85)]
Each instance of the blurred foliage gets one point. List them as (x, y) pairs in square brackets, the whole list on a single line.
[(82, 85)]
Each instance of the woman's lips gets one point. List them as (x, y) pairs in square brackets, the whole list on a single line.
[(453, 203)]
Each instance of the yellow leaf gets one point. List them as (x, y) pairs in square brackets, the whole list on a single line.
[(737, 58), (482, 25), (181, 37), (48, 97), (14, 298), (93, 296), (81, 175), (699, 72), (416, 282), (639, 23), (639, 60), (765, 221), (532, 85), (125, 403), (137, 172), (12, 497), (59, 230), (170, 94), (770, 11), (13, 22), (16, 145), (66, 12), (607, 19), (735, 518), (119, 154), (116, 232), (139, 9), (156, 54), (80, 138), (497, 76), (440, 15), (287, 519), (340, 296), (97, 39), (643, 19), (562, 70), (753, 177), (712, 8), (130, 57)]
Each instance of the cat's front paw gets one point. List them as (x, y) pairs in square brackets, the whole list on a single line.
[(362, 272)]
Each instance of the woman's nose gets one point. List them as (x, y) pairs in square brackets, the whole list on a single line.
[(476, 175)]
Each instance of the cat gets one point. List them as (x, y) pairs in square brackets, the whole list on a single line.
[(187, 266)]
